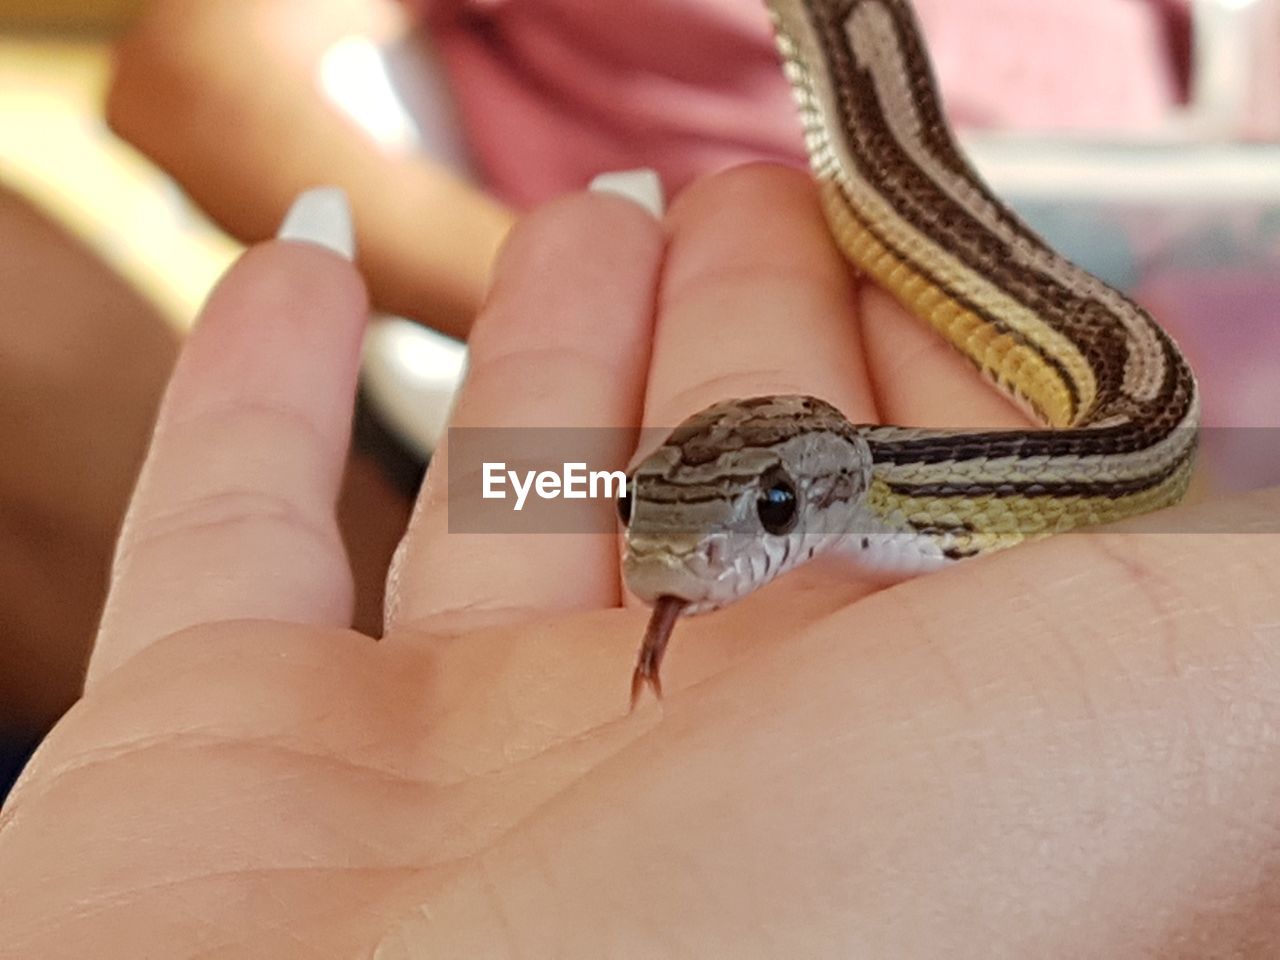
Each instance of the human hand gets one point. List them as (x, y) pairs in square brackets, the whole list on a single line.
[(1063, 750)]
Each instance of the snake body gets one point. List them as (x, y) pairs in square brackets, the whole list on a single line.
[(748, 489)]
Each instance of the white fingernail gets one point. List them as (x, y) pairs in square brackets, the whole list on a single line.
[(641, 186), (321, 216)]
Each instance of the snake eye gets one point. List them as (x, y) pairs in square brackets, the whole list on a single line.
[(777, 506), (624, 504)]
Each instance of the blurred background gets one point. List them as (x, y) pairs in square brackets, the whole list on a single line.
[(86, 227), (142, 144)]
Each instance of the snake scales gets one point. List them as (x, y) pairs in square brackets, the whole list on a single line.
[(750, 488)]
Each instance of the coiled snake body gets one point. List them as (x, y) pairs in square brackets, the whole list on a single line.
[(749, 489)]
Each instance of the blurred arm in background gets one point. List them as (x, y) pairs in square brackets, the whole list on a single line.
[(226, 97)]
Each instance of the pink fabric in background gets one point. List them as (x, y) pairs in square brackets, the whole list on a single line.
[(552, 92)]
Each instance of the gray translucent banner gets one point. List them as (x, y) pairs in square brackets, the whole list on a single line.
[(567, 480)]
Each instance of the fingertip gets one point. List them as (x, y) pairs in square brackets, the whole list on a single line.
[(282, 329), (233, 513), (289, 284), (749, 183), (577, 221), (754, 282), (571, 263), (317, 276), (761, 217)]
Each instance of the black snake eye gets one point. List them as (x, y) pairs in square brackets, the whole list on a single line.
[(624, 504), (777, 506)]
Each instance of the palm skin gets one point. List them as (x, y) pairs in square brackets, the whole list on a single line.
[(1065, 750)]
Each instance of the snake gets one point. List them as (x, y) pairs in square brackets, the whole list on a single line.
[(748, 489)]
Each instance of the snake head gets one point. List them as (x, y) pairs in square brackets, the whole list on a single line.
[(739, 494)]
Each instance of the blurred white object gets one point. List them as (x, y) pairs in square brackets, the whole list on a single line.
[(410, 375), (397, 94), (353, 75), (1235, 91), (1143, 172)]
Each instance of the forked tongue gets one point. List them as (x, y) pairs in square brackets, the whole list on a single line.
[(665, 613)]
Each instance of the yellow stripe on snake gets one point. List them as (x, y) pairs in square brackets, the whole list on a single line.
[(748, 489)]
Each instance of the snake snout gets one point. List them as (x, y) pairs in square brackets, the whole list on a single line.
[(650, 578), (669, 569)]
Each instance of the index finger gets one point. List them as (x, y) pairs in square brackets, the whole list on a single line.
[(233, 516)]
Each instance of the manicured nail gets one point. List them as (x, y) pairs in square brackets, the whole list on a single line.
[(321, 216), (641, 186)]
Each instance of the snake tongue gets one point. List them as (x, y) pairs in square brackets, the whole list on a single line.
[(666, 610)]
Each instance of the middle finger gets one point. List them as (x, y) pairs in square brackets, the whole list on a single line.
[(756, 300)]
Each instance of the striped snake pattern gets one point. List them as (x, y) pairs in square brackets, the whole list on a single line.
[(748, 489)]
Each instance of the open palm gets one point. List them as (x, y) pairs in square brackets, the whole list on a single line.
[(1065, 750)]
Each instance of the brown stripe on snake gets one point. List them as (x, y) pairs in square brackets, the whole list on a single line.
[(943, 446), (1041, 488)]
